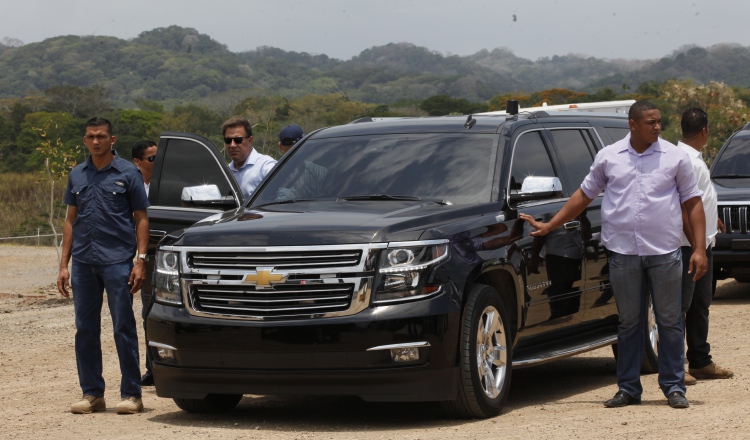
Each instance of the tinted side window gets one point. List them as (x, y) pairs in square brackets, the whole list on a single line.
[(530, 158), (617, 133), (188, 163), (734, 160), (574, 154)]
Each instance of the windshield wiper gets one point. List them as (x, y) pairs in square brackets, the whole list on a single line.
[(378, 197), (731, 176), (282, 202)]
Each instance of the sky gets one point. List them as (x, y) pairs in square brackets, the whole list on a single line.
[(631, 29)]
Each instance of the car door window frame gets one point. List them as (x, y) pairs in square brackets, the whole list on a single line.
[(550, 154), (161, 153)]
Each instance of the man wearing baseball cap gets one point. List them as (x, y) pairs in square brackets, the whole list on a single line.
[(289, 135)]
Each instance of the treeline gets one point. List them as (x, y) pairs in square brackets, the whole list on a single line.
[(58, 115)]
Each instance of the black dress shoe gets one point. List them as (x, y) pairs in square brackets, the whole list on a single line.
[(678, 400), (147, 380), (622, 399)]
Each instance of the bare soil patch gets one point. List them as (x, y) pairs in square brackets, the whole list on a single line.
[(558, 400)]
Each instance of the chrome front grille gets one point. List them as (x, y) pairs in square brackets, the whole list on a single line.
[(279, 260), (277, 282), (285, 300), (734, 218)]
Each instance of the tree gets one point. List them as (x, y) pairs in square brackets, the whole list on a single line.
[(440, 105), (59, 160), (726, 113), (80, 102)]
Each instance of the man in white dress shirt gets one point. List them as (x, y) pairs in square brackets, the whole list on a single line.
[(696, 295), (248, 166)]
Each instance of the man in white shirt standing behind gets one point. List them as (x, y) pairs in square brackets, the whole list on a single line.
[(696, 295)]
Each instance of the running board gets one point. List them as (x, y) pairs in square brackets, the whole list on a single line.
[(560, 354)]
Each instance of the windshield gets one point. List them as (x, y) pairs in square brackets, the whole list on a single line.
[(734, 161), (442, 167)]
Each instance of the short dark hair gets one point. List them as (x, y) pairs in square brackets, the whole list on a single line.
[(237, 121), (638, 107), (96, 121), (140, 147), (694, 120)]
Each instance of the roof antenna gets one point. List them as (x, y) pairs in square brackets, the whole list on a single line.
[(470, 121)]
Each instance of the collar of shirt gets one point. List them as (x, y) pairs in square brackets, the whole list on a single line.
[(624, 145), (116, 164), (251, 159), (691, 152)]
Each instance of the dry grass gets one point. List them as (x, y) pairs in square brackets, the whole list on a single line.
[(25, 205)]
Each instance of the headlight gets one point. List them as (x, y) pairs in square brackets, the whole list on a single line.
[(167, 278), (404, 271)]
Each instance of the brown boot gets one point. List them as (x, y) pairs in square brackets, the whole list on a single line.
[(690, 380), (711, 371), (89, 404), (130, 405)]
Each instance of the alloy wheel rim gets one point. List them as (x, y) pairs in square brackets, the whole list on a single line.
[(653, 329), (492, 355)]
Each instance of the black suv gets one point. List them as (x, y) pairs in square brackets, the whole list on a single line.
[(730, 174), (383, 259)]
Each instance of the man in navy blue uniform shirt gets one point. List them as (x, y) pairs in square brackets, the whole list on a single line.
[(106, 225)]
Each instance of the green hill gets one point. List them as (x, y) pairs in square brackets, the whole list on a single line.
[(177, 65)]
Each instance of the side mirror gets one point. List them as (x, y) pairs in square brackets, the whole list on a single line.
[(537, 188), (206, 196)]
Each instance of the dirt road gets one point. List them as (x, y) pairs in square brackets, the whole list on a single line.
[(558, 400)]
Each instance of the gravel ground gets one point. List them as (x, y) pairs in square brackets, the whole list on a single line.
[(558, 400)]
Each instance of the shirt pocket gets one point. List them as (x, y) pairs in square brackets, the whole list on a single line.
[(81, 195), (115, 197), (660, 182)]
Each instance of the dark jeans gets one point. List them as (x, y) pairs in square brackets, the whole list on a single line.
[(696, 299), (89, 282), (631, 277)]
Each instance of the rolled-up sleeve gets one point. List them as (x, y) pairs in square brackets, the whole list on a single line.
[(596, 180), (70, 198), (687, 185)]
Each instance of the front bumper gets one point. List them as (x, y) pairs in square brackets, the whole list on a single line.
[(731, 254), (310, 356)]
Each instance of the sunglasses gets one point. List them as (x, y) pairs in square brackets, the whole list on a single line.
[(237, 140), (151, 158)]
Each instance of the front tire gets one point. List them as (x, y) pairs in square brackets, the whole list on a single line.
[(213, 403), (485, 356)]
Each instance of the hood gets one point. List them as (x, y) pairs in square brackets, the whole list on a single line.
[(735, 190), (325, 223)]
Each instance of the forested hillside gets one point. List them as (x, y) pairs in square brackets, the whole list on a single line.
[(178, 65)]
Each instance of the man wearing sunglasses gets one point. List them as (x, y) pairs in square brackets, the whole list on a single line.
[(248, 166), (144, 153)]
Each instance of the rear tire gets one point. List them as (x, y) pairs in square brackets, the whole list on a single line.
[(213, 403), (650, 363), (485, 357)]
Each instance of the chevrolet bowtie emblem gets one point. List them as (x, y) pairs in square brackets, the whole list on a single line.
[(263, 278)]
